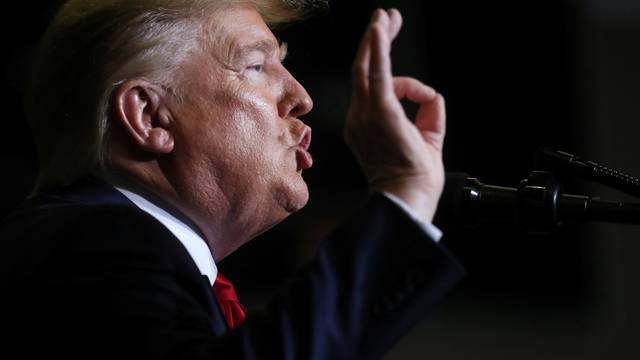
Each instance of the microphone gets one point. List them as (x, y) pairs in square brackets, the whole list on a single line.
[(547, 159), (537, 204)]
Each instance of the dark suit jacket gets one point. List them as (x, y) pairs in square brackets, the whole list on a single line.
[(86, 274)]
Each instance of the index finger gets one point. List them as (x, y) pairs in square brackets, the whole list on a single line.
[(360, 67), (380, 76)]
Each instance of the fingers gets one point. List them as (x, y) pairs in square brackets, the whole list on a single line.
[(395, 23), (412, 89), (389, 21), (380, 77), (431, 121), (361, 63), (431, 116)]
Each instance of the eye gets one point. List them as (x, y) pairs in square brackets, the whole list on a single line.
[(256, 67)]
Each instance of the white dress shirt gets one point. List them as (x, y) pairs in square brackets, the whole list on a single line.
[(429, 228), (197, 247)]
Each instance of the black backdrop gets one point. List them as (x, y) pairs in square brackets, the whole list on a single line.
[(512, 75), (503, 69)]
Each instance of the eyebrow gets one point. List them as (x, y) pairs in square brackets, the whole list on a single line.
[(265, 46)]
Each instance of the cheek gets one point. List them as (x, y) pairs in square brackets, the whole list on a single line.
[(247, 142), (245, 136), (258, 127)]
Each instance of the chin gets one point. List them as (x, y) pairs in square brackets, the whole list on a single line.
[(289, 199), (295, 197), (299, 199)]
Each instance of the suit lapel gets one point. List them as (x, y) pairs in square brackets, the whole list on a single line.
[(93, 191), (218, 323)]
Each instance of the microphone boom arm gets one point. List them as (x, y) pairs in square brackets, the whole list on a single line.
[(538, 204)]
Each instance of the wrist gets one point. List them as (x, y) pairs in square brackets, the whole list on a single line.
[(421, 199)]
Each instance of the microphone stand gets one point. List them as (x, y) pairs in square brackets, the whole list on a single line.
[(561, 161), (539, 203)]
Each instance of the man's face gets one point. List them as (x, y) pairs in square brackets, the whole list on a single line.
[(239, 146)]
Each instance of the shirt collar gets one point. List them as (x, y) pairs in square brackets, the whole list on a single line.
[(194, 243)]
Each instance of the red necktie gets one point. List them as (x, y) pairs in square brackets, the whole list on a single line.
[(233, 311)]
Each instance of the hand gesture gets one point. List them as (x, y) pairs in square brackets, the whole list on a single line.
[(397, 156)]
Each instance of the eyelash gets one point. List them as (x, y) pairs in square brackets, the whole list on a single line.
[(257, 67)]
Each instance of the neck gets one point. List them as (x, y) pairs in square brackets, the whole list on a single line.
[(152, 196), (151, 183)]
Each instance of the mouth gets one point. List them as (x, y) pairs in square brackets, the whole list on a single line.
[(303, 158)]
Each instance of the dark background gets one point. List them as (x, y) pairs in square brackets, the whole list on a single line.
[(516, 76)]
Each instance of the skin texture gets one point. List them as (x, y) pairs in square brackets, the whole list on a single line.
[(397, 156), (229, 155), (237, 152)]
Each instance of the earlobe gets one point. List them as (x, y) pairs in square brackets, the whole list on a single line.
[(160, 136), (140, 108), (160, 140)]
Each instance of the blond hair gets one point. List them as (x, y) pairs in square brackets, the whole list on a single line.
[(91, 47)]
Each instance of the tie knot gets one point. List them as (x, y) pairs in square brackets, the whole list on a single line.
[(232, 310)]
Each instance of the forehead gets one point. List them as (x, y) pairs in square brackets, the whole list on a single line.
[(240, 27)]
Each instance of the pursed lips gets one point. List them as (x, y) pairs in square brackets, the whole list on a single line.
[(303, 158)]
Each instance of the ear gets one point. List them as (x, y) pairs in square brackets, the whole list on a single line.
[(141, 108)]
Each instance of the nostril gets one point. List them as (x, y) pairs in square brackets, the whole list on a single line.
[(300, 108), (296, 101)]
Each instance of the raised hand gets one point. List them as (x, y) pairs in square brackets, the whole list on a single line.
[(397, 156)]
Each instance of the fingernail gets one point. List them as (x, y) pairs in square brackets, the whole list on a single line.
[(384, 18)]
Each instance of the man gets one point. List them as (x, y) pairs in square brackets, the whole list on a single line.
[(168, 136)]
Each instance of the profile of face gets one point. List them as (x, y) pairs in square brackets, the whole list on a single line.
[(239, 146)]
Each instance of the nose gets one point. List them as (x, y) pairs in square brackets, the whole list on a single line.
[(296, 101)]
